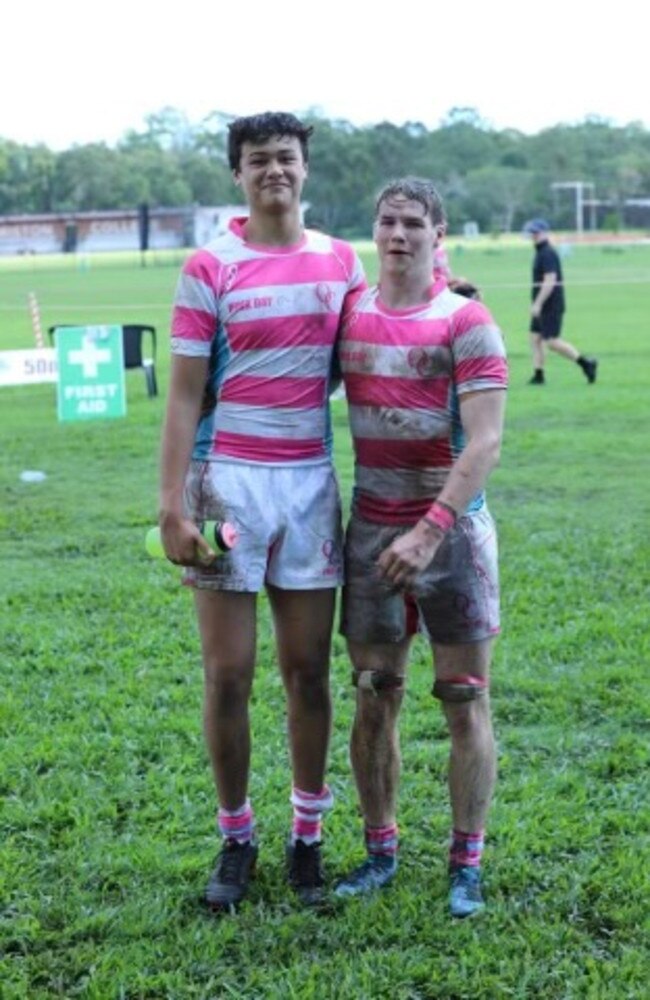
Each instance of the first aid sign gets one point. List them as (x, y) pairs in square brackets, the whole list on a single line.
[(91, 372)]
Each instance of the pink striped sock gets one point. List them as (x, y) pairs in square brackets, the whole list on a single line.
[(237, 824), (465, 849), (308, 809), (382, 839)]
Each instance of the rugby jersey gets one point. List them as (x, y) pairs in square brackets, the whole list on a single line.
[(404, 372), (268, 319)]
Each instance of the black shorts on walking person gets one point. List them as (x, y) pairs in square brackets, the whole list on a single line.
[(548, 325)]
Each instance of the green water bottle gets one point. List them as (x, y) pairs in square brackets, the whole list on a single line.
[(220, 535)]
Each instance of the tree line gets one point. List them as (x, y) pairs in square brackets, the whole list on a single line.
[(497, 178)]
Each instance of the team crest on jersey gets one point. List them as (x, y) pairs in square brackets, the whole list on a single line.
[(231, 277), (325, 295), (423, 361)]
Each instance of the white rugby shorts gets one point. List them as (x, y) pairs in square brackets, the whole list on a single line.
[(288, 518)]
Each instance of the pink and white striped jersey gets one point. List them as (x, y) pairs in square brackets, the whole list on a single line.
[(404, 373), (268, 318)]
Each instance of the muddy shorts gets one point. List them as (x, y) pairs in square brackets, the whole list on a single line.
[(455, 600), (288, 519)]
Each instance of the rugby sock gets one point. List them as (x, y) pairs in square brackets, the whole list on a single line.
[(237, 824), (465, 849), (382, 839), (308, 809)]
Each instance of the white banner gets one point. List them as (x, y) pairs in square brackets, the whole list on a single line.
[(28, 367)]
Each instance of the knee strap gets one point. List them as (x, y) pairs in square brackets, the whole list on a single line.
[(377, 680), (458, 689)]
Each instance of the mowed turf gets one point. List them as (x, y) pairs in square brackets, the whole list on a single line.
[(107, 818)]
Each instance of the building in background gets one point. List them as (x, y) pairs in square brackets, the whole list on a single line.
[(91, 232)]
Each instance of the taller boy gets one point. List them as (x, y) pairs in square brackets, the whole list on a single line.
[(246, 439)]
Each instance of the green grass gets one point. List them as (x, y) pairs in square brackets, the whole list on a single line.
[(108, 808)]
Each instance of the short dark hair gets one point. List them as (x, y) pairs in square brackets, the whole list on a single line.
[(414, 189), (261, 128)]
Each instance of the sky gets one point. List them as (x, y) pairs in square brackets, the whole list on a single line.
[(76, 72)]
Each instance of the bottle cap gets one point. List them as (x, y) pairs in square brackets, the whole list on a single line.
[(229, 535), (222, 535)]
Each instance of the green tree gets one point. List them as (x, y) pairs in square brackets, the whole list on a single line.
[(208, 179), (496, 194), (26, 174), (341, 179), (498, 177)]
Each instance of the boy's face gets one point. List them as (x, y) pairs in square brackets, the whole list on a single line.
[(272, 173), (404, 235)]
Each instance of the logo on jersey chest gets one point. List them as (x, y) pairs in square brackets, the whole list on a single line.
[(325, 296), (428, 361), (254, 303)]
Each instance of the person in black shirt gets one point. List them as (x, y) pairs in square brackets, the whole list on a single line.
[(548, 306)]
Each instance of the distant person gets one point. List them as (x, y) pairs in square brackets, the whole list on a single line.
[(425, 372), (441, 265), (547, 310), (247, 439), (442, 269)]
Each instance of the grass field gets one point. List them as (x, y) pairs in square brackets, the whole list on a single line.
[(108, 810)]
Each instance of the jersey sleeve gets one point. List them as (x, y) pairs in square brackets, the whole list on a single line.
[(195, 313), (350, 262), (478, 350), (356, 286)]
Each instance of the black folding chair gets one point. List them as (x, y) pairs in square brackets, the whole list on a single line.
[(133, 336)]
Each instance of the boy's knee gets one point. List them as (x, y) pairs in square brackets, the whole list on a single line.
[(377, 681), (461, 689)]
